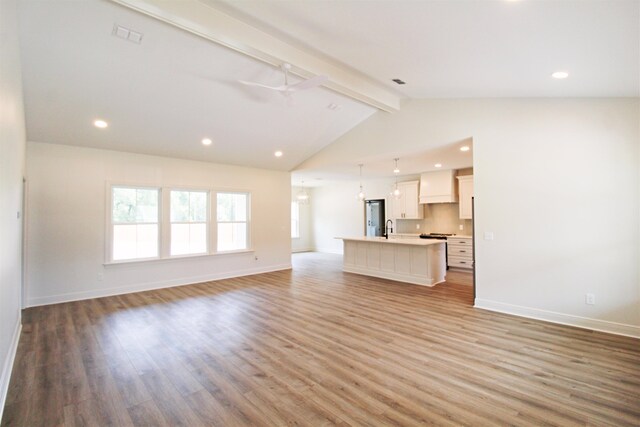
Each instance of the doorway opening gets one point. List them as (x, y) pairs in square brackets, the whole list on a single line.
[(374, 217)]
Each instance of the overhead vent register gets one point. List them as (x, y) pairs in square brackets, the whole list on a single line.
[(126, 34)]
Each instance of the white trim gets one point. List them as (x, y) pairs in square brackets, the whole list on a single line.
[(8, 365), (560, 318), (76, 296), (307, 249), (176, 257)]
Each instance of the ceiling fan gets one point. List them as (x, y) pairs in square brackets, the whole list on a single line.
[(287, 89)]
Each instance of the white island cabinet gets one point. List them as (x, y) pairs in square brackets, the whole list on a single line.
[(417, 261)]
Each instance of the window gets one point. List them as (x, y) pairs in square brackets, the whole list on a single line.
[(134, 223), (232, 214), (295, 220), (189, 217)]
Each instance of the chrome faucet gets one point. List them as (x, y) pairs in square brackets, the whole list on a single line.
[(388, 229)]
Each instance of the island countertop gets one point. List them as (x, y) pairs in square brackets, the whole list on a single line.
[(413, 242)]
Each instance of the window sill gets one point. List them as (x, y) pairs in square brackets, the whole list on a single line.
[(177, 257)]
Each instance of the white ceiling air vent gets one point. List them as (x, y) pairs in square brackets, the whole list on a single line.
[(126, 34)]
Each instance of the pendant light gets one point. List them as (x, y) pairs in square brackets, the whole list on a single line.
[(361, 195), (396, 191), (302, 196)]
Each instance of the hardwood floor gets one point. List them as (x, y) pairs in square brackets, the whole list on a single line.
[(314, 346)]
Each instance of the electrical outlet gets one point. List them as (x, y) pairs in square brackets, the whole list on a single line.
[(590, 299), (488, 235), (417, 226), (461, 227), (100, 277)]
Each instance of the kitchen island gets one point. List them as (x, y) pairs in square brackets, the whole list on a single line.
[(417, 261)]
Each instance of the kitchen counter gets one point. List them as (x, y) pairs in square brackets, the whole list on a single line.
[(394, 241), (416, 261)]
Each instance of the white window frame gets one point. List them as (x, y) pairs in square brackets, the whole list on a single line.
[(164, 222), (247, 222), (111, 224), (297, 219)]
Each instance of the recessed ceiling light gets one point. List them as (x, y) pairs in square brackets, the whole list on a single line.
[(560, 75), (464, 148), (206, 141), (278, 154), (438, 165), (100, 124), (334, 107)]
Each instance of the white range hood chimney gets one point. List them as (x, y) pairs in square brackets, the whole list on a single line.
[(438, 187)]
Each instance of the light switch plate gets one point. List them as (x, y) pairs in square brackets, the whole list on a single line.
[(488, 235)]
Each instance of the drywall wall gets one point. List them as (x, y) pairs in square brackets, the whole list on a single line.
[(336, 210), (67, 217), (303, 243), (557, 183), (12, 147)]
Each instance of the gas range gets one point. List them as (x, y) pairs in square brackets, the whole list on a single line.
[(439, 236)]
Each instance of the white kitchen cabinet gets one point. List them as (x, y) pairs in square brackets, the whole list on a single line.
[(465, 190), (460, 252), (407, 206)]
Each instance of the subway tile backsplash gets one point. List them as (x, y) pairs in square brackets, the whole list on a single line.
[(438, 218)]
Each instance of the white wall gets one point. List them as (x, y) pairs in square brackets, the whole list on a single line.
[(12, 147), (303, 243), (556, 181), (67, 214), (337, 212)]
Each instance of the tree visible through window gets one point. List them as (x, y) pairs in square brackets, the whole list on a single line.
[(134, 222), (232, 215)]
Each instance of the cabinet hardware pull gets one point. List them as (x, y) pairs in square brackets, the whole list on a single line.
[(463, 251)]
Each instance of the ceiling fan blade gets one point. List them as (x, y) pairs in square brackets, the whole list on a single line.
[(308, 84), (278, 88)]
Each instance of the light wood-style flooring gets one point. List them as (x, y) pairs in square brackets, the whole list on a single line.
[(314, 346)]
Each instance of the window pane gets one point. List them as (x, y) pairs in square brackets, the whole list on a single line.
[(239, 207), (232, 236), (124, 205), (295, 219), (132, 205), (232, 207), (135, 241), (197, 238), (146, 206), (179, 239), (224, 206), (179, 206), (188, 239), (198, 206)]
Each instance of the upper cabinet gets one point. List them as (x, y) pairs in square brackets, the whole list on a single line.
[(465, 189), (438, 187), (407, 207)]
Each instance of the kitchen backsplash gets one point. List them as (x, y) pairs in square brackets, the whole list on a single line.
[(438, 218)]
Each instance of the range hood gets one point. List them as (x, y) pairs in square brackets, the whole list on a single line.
[(438, 187)]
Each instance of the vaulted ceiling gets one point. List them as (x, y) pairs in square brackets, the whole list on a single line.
[(180, 84)]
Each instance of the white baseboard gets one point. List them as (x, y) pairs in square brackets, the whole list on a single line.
[(295, 251), (7, 368), (561, 318), (140, 287)]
